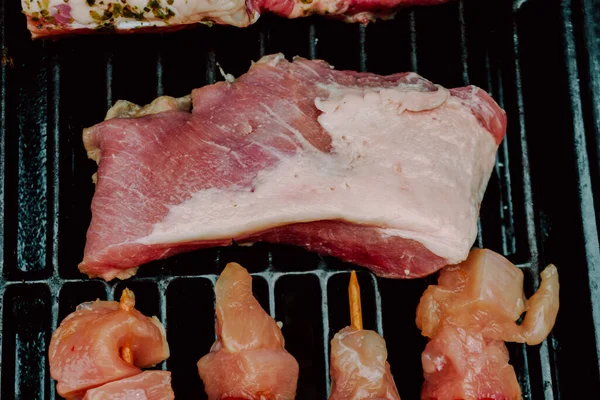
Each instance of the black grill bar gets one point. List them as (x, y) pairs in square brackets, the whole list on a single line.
[(159, 75), (463, 42), (586, 196), (211, 67), (4, 65), (531, 234), (545, 362), (414, 61)]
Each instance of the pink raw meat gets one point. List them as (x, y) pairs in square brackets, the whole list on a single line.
[(383, 171), (51, 18), (149, 385)]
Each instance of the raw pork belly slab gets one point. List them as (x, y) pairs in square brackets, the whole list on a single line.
[(387, 172), (60, 17)]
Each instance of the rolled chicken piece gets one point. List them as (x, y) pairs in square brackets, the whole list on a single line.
[(102, 342)]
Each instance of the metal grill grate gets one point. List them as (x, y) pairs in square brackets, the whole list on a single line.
[(499, 46)]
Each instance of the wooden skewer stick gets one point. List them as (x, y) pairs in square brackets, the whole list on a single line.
[(126, 354), (127, 300), (126, 304), (355, 306)]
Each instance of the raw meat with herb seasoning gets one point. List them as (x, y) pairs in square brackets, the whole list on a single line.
[(59, 17), (387, 172)]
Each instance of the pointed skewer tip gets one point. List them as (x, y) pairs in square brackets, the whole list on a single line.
[(355, 304), (127, 300)]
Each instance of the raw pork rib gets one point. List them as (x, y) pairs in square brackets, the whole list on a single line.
[(387, 172), (248, 360), (469, 315), (86, 349), (149, 385), (59, 17)]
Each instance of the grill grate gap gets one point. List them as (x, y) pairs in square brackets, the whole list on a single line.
[(590, 230)]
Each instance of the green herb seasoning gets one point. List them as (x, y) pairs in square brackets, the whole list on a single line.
[(117, 10), (94, 14), (128, 12), (106, 27)]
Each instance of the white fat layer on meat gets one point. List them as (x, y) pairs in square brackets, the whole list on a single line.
[(415, 174), (230, 12)]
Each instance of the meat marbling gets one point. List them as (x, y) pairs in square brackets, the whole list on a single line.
[(387, 172), (50, 18)]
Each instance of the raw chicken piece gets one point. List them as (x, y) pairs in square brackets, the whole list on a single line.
[(248, 361), (359, 367), (459, 364), (485, 293), (51, 18), (387, 172), (149, 385), (469, 315), (104, 341)]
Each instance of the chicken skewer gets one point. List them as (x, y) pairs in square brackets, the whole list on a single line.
[(359, 369), (98, 352), (148, 385), (248, 360), (469, 315)]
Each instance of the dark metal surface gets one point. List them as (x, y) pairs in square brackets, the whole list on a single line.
[(540, 59)]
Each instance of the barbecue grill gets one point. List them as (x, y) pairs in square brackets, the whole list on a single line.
[(539, 59)]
